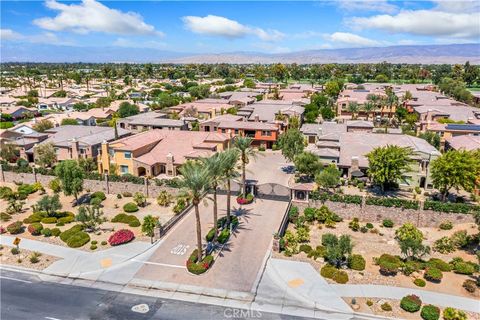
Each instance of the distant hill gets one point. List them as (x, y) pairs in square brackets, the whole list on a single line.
[(434, 54), (424, 54)]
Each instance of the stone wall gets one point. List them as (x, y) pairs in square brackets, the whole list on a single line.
[(151, 190), (369, 213)]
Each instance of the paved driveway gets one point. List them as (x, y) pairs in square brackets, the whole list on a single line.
[(269, 167), (239, 264)]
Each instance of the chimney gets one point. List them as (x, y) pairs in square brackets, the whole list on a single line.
[(170, 167), (74, 149), (257, 118)]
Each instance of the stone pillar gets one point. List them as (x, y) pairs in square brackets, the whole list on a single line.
[(74, 146), (107, 187), (169, 165), (34, 174), (146, 186), (2, 175)]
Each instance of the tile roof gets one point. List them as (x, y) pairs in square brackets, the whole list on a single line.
[(464, 142)]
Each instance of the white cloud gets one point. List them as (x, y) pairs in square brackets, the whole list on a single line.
[(222, 27), (368, 5), (92, 16), (9, 34), (45, 37), (127, 43), (447, 19), (351, 39)]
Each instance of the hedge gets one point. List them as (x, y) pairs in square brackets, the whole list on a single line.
[(198, 267), (78, 239), (129, 219), (345, 198), (65, 235), (450, 207), (393, 202), (330, 272), (223, 236), (49, 220)]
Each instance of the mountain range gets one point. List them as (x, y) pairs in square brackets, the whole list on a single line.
[(415, 54)]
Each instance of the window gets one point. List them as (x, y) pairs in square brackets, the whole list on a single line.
[(56, 150), (111, 152), (127, 155), (236, 131), (266, 133), (124, 169), (223, 130)]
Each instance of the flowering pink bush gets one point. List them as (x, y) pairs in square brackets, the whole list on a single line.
[(120, 237), (245, 200), (2, 230)]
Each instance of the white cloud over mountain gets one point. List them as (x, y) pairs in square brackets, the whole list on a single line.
[(223, 27)]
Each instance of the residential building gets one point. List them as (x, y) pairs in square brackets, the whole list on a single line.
[(151, 120), (159, 152), (74, 141), (465, 142)]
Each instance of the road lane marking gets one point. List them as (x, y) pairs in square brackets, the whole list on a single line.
[(180, 249), (160, 264), (50, 318), (13, 279)]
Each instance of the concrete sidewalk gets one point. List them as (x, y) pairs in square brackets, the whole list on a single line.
[(388, 292), (42, 247)]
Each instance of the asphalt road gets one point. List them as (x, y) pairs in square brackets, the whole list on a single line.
[(26, 297)]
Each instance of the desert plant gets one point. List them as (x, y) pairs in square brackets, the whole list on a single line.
[(139, 199), (444, 245), (91, 217), (470, 285), (389, 265), (411, 303), (430, 312), (356, 262), (130, 207), (433, 274), (34, 257), (15, 227), (149, 224), (386, 307), (387, 223), (446, 225), (120, 237), (454, 314), (164, 198), (419, 282)]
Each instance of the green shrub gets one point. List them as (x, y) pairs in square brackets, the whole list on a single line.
[(439, 264), (419, 282), (47, 232), (354, 224), (60, 224), (36, 217), (34, 257), (95, 201), (446, 225), (93, 247), (462, 267), (180, 205), (223, 236), (15, 251), (369, 225), (433, 274), (119, 196), (196, 267), (356, 262), (5, 216), (389, 265), (460, 238), (363, 229), (386, 307), (66, 220), (309, 214), (412, 266), (56, 232), (103, 243), (317, 253), (450, 207), (99, 195), (129, 219), (387, 223), (393, 202), (444, 245), (127, 194), (78, 239), (210, 235), (430, 312), (340, 277), (305, 248), (5, 193), (293, 214), (411, 303), (15, 227), (94, 242), (327, 271), (49, 220), (65, 235), (35, 229), (454, 314)]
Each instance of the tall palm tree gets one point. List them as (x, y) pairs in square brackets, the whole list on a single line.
[(196, 182), (353, 108), (214, 166), (244, 146), (229, 172), (368, 107)]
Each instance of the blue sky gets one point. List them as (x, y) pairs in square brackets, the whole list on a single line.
[(215, 27)]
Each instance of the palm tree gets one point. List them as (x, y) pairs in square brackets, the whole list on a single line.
[(353, 108), (229, 172), (196, 182), (368, 107), (214, 166), (244, 145)]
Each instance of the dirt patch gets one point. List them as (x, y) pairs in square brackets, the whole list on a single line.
[(22, 259)]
